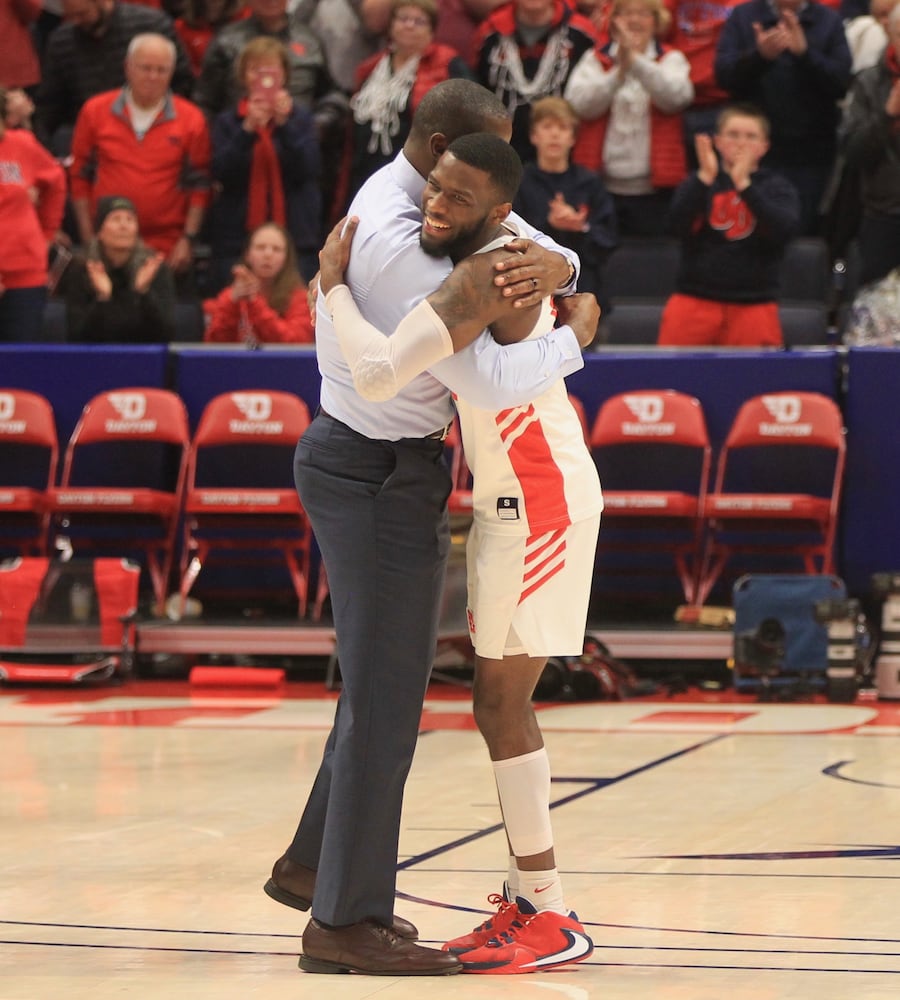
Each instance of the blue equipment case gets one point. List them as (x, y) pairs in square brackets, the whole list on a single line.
[(780, 649)]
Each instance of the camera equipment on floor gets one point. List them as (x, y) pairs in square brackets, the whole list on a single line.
[(886, 586), (850, 648), (796, 635)]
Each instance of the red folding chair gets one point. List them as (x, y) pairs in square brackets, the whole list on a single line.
[(122, 479), (778, 485), (241, 504), (653, 454), (28, 458)]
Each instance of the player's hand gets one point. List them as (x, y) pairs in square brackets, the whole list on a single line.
[(335, 254), (582, 313), (530, 273)]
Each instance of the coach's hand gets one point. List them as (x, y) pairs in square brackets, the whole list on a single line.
[(335, 254), (530, 273)]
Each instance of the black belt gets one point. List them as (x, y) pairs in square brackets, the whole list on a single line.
[(440, 435)]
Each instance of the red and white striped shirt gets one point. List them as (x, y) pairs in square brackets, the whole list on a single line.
[(531, 468)]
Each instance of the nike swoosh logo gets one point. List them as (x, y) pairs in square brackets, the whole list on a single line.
[(580, 946), (544, 888)]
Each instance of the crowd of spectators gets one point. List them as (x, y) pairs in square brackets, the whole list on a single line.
[(230, 135)]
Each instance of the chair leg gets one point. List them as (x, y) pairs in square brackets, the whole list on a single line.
[(322, 590), (710, 571), (299, 579), (189, 575)]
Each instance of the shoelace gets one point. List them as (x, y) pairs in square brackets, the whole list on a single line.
[(389, 935), (502, 905), (511, 933)]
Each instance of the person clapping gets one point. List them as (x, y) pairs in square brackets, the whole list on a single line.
[(634, 90), (120, 290), (266, 300)]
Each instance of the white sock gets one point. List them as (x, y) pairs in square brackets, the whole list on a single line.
[(512, 879), (543, 890)]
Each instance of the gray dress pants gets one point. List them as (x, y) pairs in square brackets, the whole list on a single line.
[(378, 511)]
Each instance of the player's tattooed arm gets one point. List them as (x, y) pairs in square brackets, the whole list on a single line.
[(467, 302)]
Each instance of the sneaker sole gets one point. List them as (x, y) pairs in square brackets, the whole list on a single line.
[(509, 969)]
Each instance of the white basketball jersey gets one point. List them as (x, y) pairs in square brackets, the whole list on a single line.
[(531, 469)]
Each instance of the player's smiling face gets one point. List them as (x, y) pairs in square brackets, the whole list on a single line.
[(459, 209)]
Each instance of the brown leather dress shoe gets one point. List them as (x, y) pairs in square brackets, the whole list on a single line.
[(371, 949), (293, 885)]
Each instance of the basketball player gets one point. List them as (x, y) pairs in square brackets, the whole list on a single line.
[(530, 550)]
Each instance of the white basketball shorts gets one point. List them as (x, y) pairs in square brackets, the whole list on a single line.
[(530, 594)]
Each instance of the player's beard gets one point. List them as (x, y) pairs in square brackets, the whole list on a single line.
[(463, 243)]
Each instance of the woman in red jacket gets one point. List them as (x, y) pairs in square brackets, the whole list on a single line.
[(32, 198), (266, 301)]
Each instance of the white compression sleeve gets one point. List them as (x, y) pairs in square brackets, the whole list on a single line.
[(523, 784), (382, 365)]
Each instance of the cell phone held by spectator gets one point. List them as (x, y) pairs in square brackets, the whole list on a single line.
[(264, 88)]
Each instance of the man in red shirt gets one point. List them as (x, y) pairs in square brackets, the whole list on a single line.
[(148, 144)]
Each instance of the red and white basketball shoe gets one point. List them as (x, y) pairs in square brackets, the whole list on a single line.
[(507, 912), (532, 942)]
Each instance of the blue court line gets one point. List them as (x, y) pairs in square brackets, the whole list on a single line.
[(57, 925), (748, 934), (745, 951), (742, 968), (873, 851), (145, 947), (598, 964), (833, 771), (143, 930), (593, 785), (757, 875)]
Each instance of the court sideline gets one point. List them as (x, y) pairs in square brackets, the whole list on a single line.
[(713, 846)]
